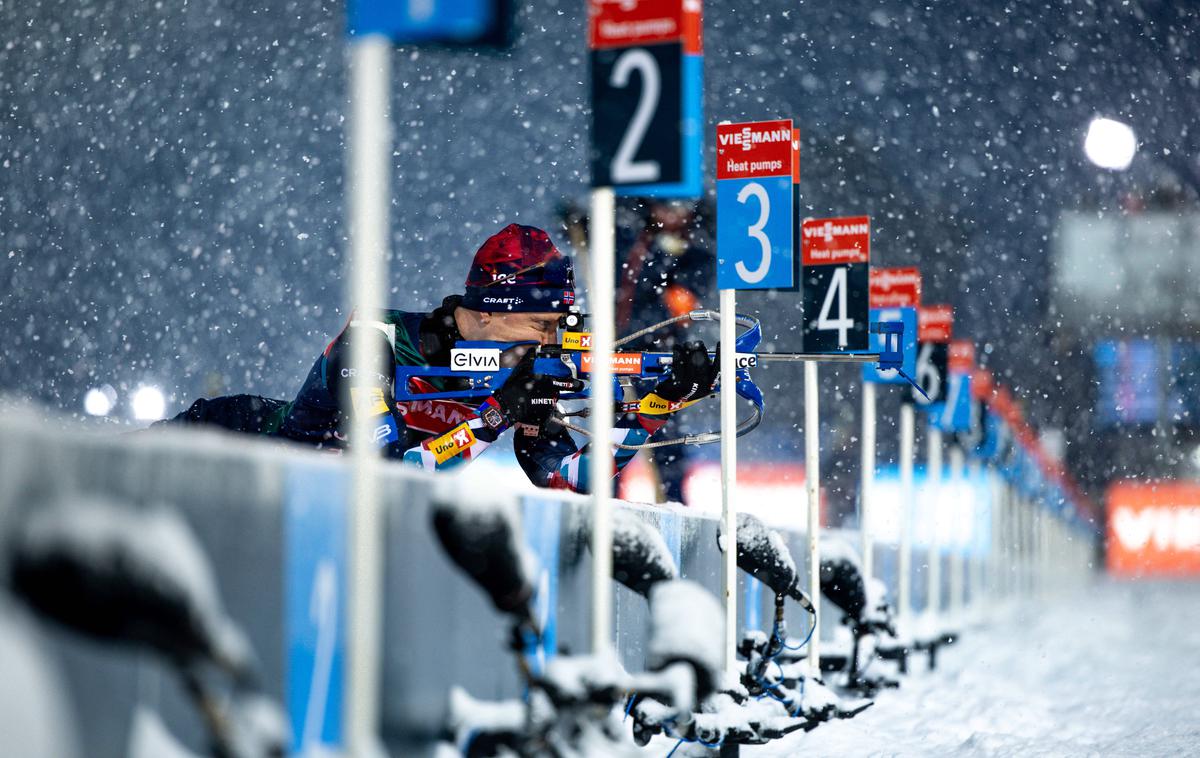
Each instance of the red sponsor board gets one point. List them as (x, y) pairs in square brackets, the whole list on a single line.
[(755, 150), (626, 23), (962, 357), (831, 241), (982, 384), (1153, 528), (935, 323), (895, 287)]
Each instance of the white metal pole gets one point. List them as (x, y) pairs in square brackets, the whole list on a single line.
[(997, 539), (868, 479), (957, 547), (812, 485), (729, 473), (602, 256), (904, 561), (933, 575), (370, 154), (975, 566)]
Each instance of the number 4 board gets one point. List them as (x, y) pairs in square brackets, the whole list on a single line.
[(836, 268)]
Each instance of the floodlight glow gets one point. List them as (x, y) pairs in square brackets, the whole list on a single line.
[(99, 401), (1110, 144), (148, 404)]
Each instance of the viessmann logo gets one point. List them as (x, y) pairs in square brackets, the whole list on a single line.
[(748, 138), (829, 230), (622, 363), (1165, 529), (885, 279)]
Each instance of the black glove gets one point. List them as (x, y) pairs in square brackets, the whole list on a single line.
[(529, 398), (693, 374)]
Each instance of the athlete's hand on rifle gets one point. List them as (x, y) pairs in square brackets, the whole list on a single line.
[(693, 374), (529, 398)]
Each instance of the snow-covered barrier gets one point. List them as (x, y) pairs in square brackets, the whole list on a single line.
[(272, 521)]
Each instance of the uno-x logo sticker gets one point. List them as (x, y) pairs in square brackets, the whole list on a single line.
[(368, 400), (450, 444), (653, 405), (577, 341)]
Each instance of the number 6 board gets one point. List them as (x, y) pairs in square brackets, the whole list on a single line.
[(646, 81), (836, 270), (757, 166), (935, 325)]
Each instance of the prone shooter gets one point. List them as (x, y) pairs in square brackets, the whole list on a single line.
[(455, 379)]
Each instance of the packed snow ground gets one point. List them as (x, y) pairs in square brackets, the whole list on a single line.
[(1110, 673)]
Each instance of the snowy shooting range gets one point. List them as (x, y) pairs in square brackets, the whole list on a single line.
[(491, 378)]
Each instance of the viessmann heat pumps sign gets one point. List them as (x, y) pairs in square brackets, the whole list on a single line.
[(1154, 529)]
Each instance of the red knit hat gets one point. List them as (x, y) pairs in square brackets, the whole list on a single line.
[(520, 269)]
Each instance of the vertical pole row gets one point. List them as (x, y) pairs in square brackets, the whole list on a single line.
[(729, 473), (369, 197), (812, 485), (868, 479), (602, 255), (933, 474), (904, 593)]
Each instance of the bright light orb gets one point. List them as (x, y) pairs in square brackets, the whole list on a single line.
[(1110, 144), (148, 404), (99, 401)]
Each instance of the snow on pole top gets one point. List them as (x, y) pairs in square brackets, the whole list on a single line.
[(685, 625)]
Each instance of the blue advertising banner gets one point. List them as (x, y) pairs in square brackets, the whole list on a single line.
[(315, 534)]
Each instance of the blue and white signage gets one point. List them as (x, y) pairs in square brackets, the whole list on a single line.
[(315, 566), (457, 22), (757, 168)]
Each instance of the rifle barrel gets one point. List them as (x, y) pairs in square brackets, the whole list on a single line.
[(819, 357)]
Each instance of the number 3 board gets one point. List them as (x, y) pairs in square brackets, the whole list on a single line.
[(757, 167)]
